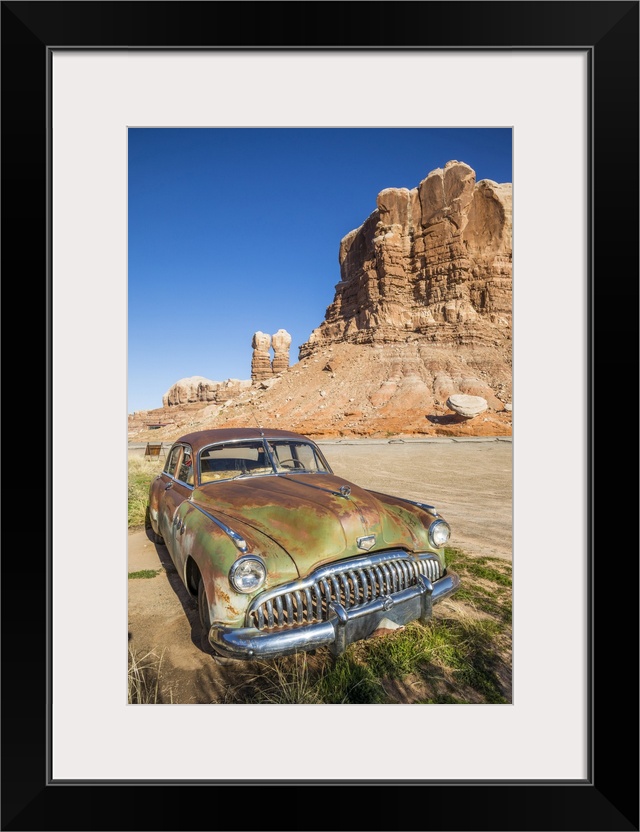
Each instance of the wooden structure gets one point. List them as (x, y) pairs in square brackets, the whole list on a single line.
[(153, 450)]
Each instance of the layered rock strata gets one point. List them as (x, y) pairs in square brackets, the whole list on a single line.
[(281, 342), (261, 358), (263, 367), (200, 389), (434, 261)]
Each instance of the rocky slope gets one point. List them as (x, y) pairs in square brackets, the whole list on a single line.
[(347, 390), (422, 312)]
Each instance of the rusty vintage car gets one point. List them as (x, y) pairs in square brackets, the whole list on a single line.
[(282, 555)]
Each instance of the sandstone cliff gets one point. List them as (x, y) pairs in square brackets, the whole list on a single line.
[(199, 389), (433, 261)]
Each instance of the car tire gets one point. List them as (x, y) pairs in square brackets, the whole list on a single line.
[(155, 537), (203, 609), (205, 623)]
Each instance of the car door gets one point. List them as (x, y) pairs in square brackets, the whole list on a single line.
[(177, 488)]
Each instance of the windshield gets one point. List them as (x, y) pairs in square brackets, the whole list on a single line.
[(255, 458)]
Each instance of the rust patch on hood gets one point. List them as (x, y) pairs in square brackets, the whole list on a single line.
[(307, 515)]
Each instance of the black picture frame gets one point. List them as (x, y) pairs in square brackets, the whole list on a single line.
[(608, 798)]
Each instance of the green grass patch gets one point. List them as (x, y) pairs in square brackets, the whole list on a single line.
[(406, 651), (473, 660), (144, 573), (141, 474), (493, 570), (460, 650), (497, 604), (346, 680), (486, 573), (309, 679), (443, 699)]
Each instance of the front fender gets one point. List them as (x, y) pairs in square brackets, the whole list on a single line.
[(214, 552), (404, 519)]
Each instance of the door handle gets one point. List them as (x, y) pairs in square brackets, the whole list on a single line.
[(167, 487)]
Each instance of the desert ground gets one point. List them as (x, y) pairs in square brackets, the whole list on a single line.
[(468, 479)]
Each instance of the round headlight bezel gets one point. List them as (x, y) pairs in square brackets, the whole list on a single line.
[(437, 527), (237, 569)]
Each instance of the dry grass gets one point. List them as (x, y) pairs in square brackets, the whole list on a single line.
[(144, 687), (289, 680)]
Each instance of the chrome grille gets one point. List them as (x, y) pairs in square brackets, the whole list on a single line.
[(351, 583)]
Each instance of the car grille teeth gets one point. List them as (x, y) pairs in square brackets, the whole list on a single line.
[(307, 602)]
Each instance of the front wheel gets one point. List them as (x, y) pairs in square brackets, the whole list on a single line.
[(203, 609), (205, 622)]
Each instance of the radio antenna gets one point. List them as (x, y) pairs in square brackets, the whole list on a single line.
[(253, 412)]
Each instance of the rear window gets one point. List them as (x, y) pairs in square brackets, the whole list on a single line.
[(172, 460)]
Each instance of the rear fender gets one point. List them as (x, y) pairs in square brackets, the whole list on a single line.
[(153, 501)]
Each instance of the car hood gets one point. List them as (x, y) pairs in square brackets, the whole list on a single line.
[(308, 516)]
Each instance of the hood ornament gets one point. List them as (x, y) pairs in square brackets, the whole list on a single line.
[(345, 490), (367, 542)]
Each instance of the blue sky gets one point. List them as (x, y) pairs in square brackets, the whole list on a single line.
[(237, 230)]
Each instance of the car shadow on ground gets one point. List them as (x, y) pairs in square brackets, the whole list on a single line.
[(215, 683), (189, 604)]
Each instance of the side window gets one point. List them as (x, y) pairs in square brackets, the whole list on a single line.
[(172, 460), (186, 466)]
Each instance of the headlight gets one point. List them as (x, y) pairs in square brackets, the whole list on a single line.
[(247, 574), (439, 534)]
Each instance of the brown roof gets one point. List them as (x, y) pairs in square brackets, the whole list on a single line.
[(200, 438)]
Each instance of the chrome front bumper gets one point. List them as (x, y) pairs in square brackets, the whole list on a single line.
[(344, 627)]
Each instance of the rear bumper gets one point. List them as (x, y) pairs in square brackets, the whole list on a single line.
[(343, 628)]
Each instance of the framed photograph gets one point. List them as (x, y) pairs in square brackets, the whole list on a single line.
[(564, 78)]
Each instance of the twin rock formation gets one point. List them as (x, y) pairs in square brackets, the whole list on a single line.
[(262, 367), (200, 389)]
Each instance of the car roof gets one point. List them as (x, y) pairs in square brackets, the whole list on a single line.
[(201, 438)]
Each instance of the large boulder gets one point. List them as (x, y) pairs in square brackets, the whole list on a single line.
[(467, 406)]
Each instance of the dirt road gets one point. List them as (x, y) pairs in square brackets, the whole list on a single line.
[(468, 480)]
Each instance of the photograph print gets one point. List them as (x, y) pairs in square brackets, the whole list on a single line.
[(320, 415)]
